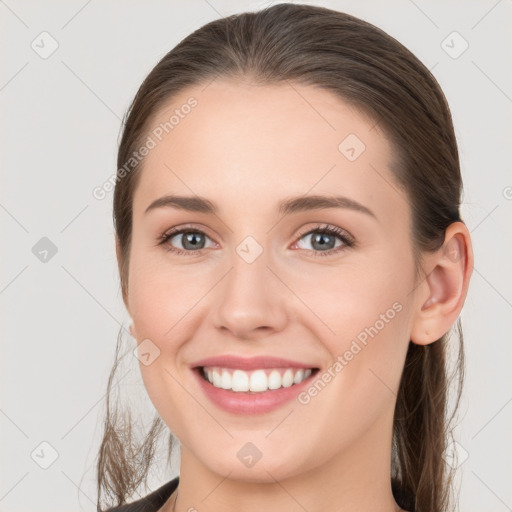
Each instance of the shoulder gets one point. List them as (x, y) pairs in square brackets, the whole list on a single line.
[(152, 502)]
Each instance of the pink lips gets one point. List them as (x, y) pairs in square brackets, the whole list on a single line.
[(250, 363), (249, 403)]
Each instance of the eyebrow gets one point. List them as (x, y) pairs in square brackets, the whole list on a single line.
[(289, 206)]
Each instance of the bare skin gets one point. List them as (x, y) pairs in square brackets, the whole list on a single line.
[(246, 148)]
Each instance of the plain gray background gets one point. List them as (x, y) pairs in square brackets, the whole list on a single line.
[(61, 316)]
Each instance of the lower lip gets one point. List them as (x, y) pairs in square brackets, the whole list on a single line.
[(250, 403)]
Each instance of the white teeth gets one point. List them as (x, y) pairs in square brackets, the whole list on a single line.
[(216, 378), (225, 380), (287, 378), (240, 381), (256, 381), (274, 380)]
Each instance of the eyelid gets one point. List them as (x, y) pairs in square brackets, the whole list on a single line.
[(197, 228), (329, 228)]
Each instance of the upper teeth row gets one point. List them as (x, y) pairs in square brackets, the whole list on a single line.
[(257, 380)]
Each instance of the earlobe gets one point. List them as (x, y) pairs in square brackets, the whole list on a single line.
[(445, 286)]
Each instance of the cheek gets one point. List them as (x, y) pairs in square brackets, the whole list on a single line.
[(367, 314), (164, 304), (360, 385), (161, 301), (161, 298), (347, 300)]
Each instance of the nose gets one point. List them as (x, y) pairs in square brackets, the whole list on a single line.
[(250, 302)]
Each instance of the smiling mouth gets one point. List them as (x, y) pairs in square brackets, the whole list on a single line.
[(254, 381)]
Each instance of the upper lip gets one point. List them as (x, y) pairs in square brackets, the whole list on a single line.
[(250, 363)]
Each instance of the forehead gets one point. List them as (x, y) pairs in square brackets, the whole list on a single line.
[(253, 145)]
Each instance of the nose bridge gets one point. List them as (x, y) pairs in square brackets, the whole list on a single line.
[(249, 273), (250, 299), (248, 280)]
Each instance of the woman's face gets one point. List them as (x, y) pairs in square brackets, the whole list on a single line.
[(257, 279)]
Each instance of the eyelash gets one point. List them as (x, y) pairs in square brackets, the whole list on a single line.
[(348, 240)]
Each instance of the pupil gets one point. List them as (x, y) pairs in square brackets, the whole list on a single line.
[(319, 239), (191, 238)]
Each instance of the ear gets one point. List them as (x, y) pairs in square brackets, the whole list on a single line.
[(124, 285), (120, 268), (442, 293)]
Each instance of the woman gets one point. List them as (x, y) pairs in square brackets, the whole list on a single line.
[(292, 256)]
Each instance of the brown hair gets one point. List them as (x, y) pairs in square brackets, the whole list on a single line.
[(369, 69)]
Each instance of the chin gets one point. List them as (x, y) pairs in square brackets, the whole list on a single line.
[(243, 462)]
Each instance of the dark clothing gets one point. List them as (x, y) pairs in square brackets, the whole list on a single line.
[(152, 502)]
